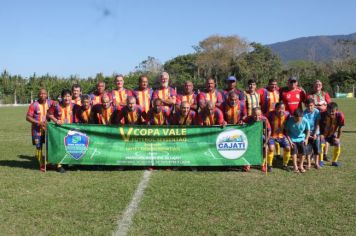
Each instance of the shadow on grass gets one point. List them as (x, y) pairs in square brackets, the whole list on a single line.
[(26, 162)]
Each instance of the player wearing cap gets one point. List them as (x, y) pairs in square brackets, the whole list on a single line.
[(292, 96), (36, 115), (231, 87)]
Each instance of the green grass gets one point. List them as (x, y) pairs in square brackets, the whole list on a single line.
[(175, 202)]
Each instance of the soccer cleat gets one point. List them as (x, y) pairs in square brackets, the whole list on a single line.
[(326, 158), (263, 168), (321, 163), (336, 164), (247, 168), (269, 168), (285, 168)]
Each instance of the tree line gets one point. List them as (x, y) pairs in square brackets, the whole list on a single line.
[(214, 57)]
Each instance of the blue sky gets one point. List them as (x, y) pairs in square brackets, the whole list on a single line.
[(84, 37)]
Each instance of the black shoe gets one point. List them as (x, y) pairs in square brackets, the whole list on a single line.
[(61, 170), (326, 158), (269, 168), (286, 168)]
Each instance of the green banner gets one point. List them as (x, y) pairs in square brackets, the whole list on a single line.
[(81, 144)]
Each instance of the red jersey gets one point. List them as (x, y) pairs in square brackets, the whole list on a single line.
[(240, 94), (191, 99), (161, 118), (84, 116), (120, 97), (104, 116), (329, 125), (293, 99), (143, 98), (65, 114), (217, 118), (38, 112), (215, 97), (77, 101), (131, 117), (233, 115), (96, 99), (164, 94), (268, 99), (321, 98), (277, 124)]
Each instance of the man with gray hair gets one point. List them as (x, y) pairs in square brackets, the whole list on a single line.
[(167, 94)]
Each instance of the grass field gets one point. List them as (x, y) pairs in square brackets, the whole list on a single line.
[(90, 202)]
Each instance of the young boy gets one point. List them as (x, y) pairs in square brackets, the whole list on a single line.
[(313, 117), (298, 131), (331, 123)]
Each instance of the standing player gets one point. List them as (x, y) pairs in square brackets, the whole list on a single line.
[(165, 93), (257, 116), (269, 96), (298, 131), (320, 97), (159, 114), (312, 115), (98, 94), (252, 98), (277, 120), (211, 94), (120, 94), (36, 115), (292, 96), (185, 115), (231, 87), (331, 123), (76, 94), (188, 96), (143, 94)]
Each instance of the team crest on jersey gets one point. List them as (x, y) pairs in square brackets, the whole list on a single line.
[(76, 144), (232, 144)]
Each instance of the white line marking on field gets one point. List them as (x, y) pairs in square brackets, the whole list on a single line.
[(125, 222)]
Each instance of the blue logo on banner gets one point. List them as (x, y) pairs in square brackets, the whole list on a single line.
[(76, 144)]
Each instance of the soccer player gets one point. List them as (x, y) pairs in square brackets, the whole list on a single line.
[(257, 116), (105, 112), (331, 123), (188, 96), (76, 94), (252, 98), (159, 114), (36, 115), (211, 93), (231, 87), (84, 113), (277, 120), (185, 115), (131, 114), (65, 111), (233, 109), (298, 131), (292, 96), (211, 115), (120, 94), (167, 94), (320, 97), (312, 115), (98, 94), (269, 96), (143, 94)]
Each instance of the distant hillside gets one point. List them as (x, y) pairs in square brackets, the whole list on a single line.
[(316, 48)]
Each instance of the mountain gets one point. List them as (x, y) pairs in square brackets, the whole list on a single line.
[(316, 48)]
